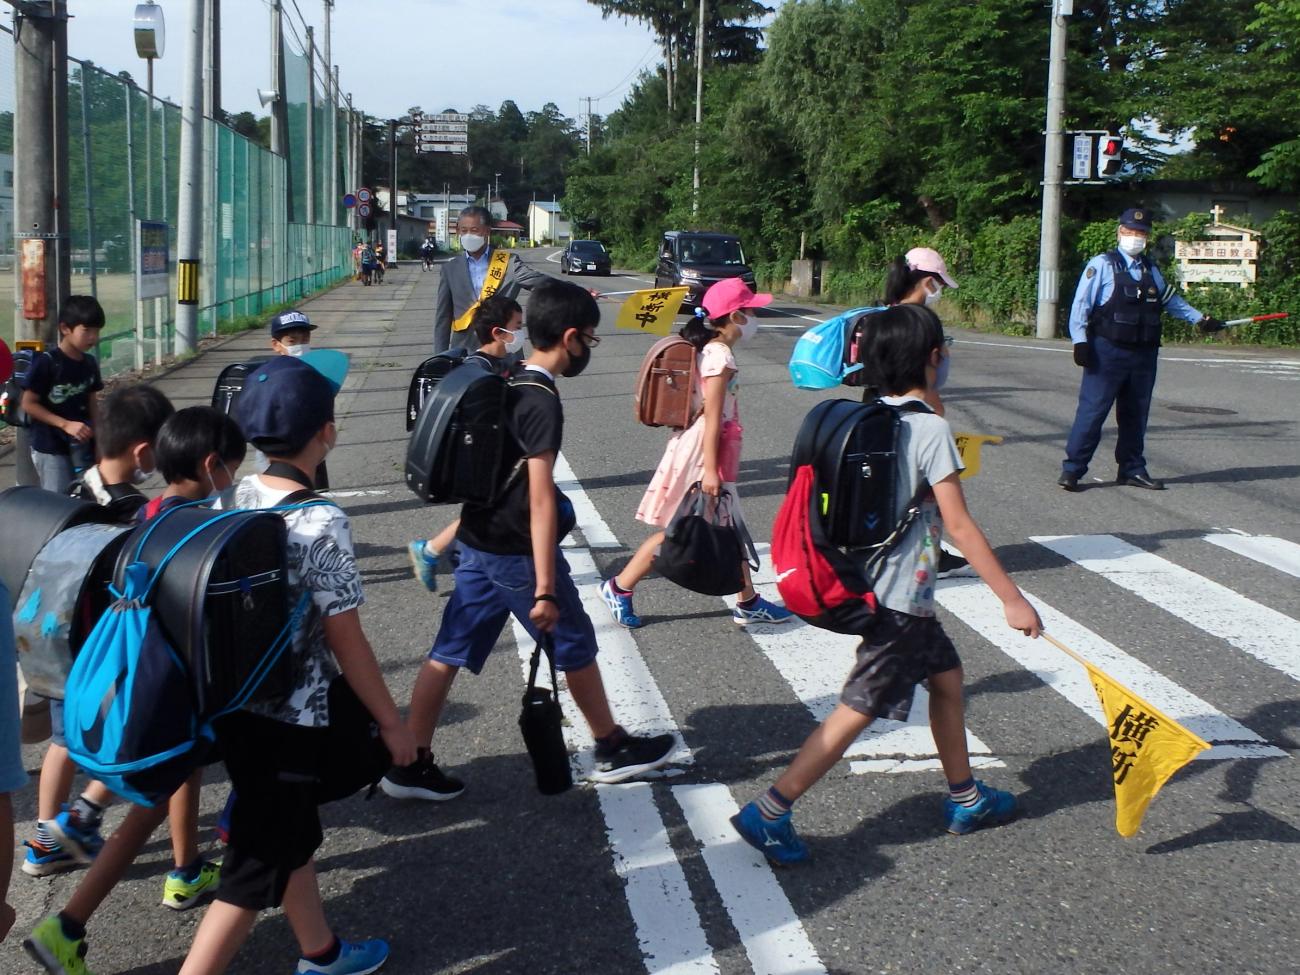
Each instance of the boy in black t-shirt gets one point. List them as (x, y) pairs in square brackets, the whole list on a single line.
[(130, 419), (510, 562), (60, 396)]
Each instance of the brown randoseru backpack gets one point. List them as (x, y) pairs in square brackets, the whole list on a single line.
[(668, 376)]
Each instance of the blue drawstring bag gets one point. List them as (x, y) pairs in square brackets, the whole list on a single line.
[(820, 358)]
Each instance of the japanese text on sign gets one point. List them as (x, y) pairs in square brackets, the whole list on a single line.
[(651, 311)]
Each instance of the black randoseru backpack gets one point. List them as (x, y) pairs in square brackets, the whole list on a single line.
[(230, 383), (427, 375), (11, 409), (457, 449)]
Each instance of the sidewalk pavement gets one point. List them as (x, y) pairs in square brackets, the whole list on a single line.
[(351, 317)]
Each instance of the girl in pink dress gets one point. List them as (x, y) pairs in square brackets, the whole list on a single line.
[(707, 452)]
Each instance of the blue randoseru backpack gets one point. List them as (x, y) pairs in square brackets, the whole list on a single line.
[(145, 690), (820, 358)]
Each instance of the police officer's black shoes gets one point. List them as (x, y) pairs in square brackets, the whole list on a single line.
[(1069, 481), (1141, 479)]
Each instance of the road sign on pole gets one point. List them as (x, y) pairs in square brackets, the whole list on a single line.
[(1082, 157), (363, 210), (363, 195), (349, 200)]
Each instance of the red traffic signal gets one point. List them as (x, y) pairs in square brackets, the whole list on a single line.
[(1110, 154)]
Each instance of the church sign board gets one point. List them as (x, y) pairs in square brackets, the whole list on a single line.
[(1228, 254)]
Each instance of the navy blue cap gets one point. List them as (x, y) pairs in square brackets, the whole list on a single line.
[(283, 405), (1136, 218), (286, 321)]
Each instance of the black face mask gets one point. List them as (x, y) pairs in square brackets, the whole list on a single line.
[(577, 363)]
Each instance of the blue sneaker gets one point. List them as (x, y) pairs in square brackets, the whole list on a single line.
[(42, 861), (761, 612), (424, 565), (774, 838), (84, 844), (355, 958), (620, 606), (994, 808)]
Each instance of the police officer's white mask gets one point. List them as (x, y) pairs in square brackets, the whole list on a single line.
[(1132, 244)]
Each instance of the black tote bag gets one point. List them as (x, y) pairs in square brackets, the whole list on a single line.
[(541, 722), (704, 545)]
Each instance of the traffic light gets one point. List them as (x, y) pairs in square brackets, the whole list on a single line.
[(1110, 154)]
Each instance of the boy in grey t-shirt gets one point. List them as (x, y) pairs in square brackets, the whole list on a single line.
[(903, 350)]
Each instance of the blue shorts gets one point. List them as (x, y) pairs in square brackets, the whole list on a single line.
[(12, 774), (491, 587)]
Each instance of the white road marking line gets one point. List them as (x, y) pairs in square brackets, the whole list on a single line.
[(667, 924), (1264, 633), (773, 937), (594, 529), (815, 662), (554, 256), (1276, 552), (892, 765), (975, 605)]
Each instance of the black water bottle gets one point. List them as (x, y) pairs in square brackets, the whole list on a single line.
[(541, 722)]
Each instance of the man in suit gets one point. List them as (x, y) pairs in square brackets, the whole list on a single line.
[(461, 283), (1115, 327)]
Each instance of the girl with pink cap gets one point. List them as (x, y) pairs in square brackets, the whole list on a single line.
[(707, 452)]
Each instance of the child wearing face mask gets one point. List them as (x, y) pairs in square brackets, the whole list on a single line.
[(498, 325), (708, 451), (291, 333), (196, 450)]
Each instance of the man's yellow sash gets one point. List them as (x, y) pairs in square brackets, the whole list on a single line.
[(496, 273)]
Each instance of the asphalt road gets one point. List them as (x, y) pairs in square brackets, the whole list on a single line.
[(1191, 594)]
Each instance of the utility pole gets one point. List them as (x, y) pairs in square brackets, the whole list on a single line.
[(588, 101), (189, 217), (279, 114), (311, 126), (1049, 247), (699, 108), (331, 188), (40, 182), (392, 193)]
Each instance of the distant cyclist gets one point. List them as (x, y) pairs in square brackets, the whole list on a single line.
[(427, 249)]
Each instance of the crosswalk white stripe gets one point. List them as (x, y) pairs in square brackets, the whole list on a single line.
[(1264, 633), (774, 939), (594, 529), (975, 605), (1276, 552), (667, 924), (815, 662)]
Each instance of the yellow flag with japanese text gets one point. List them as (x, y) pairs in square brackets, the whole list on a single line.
[(1146, 748), (651, 311), (968, 445)]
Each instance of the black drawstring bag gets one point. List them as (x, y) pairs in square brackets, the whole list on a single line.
[(541, 722), (704, 545)]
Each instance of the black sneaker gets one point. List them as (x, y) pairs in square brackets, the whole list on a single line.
[(634, 755), (422, 779), (950, 565)]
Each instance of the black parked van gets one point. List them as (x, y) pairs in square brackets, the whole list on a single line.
[(696, 259)]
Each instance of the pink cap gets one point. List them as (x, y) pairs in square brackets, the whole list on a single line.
[(928, 259), (731, 294)]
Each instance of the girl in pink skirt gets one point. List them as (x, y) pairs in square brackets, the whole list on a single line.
[(707, 452)]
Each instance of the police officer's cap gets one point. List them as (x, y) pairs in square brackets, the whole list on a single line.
[(1136, 218)]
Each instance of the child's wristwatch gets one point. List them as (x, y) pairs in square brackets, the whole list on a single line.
[(546, 597)]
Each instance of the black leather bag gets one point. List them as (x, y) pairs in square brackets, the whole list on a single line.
[(704, 545), (31, 516), (541, 722)]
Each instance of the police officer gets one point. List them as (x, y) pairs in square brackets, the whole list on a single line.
[(1115, 327)]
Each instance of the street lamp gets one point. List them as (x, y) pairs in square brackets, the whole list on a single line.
[(150, 38)]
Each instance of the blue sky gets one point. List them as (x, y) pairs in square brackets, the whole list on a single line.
[(396, 53)]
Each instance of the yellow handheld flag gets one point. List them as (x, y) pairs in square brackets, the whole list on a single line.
[(496, 274), (1146, 745), (651, 311), (968, 445)]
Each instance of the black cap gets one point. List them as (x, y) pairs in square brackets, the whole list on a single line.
[(1136, 218), (283, 404), (287, 321)]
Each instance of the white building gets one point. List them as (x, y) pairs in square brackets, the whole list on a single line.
[(546, 221)]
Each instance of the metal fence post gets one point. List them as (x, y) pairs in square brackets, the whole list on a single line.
[(90, 196), (137, 305)]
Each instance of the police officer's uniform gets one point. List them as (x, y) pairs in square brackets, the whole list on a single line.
[(1115, 327)]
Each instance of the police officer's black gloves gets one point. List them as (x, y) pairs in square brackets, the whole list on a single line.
[(1082, 355), (1208, 325)]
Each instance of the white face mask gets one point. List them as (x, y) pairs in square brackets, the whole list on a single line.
[(749, 328), (515, 342), (473, 243), (1132, 245), (139, 476), (932, 297), (294, 350)]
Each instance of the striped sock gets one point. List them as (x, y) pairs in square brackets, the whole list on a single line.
[(773, 805), (44, 837), (964, 793)]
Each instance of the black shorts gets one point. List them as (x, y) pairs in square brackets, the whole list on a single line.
[(274, 823), (898, 653)]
